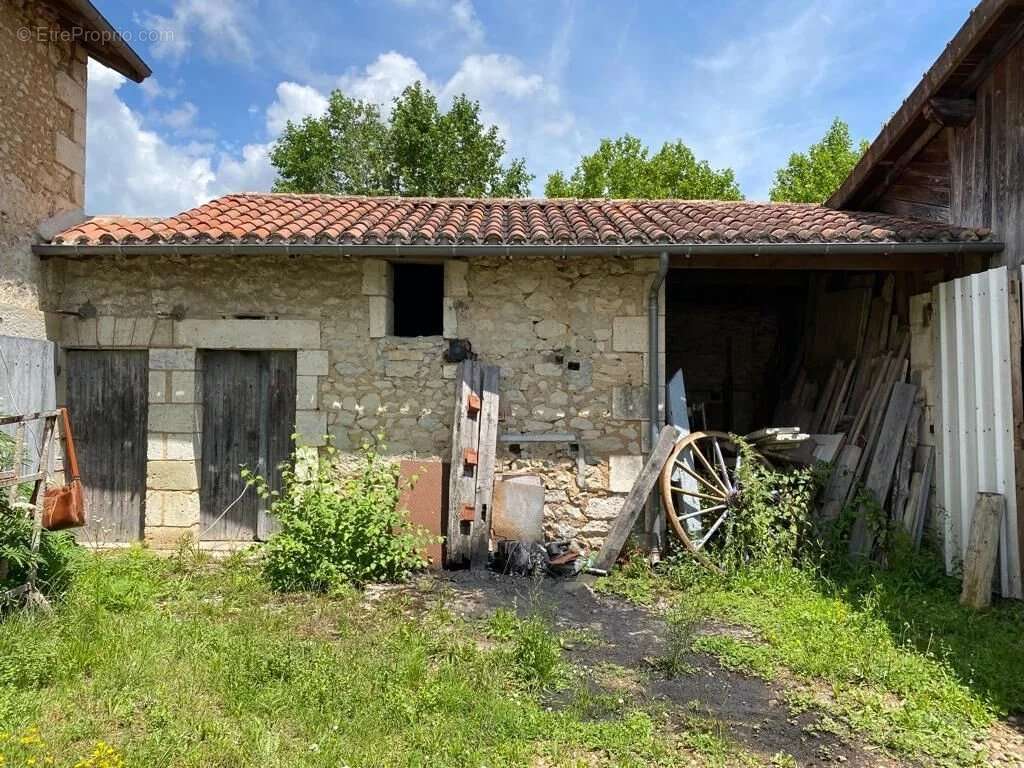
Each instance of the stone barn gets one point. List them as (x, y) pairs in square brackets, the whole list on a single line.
[(192, 344)]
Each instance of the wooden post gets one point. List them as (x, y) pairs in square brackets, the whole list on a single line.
[(634, 502), (462, 482), (486, 454), (982, 551)]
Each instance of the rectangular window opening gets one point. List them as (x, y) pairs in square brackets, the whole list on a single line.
[(419, 299)]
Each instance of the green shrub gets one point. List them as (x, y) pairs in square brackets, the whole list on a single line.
[(773, 521), (338, 531)]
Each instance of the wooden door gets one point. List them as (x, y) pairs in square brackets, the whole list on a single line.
[(107, 400), (248, 418)]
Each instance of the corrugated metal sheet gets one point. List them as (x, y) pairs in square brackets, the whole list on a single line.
[(975, 419), (27, 385)]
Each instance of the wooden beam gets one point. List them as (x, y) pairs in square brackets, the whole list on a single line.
[(634, 503), (479, 547), (949, 112), (983, 550), (899, 164)]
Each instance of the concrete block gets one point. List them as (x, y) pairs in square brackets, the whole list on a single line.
[(629, 403), (455, 278), (382, 316), (105, 331), (173, 417), (69, 331), (69, 154), (183, 386), (629, 334), (70, 92), (311, 362), (164, 538), (142, 331), (376, 278), (623, 472), (172, 359), (307, 393), (87, 332), (162, 334), (158, 387), (181, 446), (155, 446), (248, 334), (166, 475), (450, 319), (311, 427), (124, 328), (178, 509)]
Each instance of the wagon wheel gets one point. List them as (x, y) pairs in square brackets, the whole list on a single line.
[(700, 489)]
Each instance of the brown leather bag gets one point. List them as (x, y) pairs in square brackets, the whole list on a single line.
[(64, 507)]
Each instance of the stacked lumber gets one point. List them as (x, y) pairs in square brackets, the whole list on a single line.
[(863, 416)]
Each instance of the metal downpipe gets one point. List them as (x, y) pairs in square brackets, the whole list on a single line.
[(654, 530)]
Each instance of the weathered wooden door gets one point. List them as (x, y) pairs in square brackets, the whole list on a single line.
[(248, 419), (107, 400)]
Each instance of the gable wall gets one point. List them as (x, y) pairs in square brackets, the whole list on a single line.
[(987, 158), (42, 152), (922, 188)]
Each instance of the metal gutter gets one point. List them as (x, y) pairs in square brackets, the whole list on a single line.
[(400, 250)]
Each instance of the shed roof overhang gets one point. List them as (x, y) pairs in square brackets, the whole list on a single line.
[(817, 256)]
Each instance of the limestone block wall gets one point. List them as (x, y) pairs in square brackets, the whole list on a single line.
[(569, 335), (42, 152)]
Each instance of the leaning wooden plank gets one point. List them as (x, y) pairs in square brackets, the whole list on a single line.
[(462, 480), (679, 417), (982, 550), (904, 465), (839, 483), (841, 400), (883, 462), (924, 462), (481, 529), (634, 502), (826, 447), (825, 399)]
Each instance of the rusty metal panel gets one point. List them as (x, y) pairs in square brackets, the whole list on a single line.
[(423, 499), (518, 508), (975, 442)]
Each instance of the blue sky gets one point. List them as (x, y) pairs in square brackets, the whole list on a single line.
[(742, 83)]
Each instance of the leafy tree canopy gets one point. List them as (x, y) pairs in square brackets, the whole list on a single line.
[(419, 151), (624, 167), (813, 176)]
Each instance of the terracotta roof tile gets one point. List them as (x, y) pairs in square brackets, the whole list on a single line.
[(274, 218)]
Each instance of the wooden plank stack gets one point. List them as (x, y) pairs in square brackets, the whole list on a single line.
[(865, 411)]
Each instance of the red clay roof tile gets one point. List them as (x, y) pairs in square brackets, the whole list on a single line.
[(274, 218)]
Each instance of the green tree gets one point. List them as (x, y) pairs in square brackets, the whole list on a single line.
[(813, 176), (624, 167), (419, 151)]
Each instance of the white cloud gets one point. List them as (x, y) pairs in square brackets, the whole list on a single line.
[(466, 21), (294, 102), (135, 171), (384, 79), (181, 118), (218, 26)]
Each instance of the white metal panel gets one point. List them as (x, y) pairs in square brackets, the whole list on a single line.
[(975, 445)]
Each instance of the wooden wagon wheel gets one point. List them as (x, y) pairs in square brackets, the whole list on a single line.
[(700, 489)]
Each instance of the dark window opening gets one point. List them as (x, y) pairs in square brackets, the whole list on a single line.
[(419, 299)]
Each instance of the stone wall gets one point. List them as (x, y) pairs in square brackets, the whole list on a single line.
[(42, 153), (569, 335)]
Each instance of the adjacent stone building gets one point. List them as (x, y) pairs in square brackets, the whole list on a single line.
[(44, 47)]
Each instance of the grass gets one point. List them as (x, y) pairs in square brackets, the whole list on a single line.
[(155, 662), (889, 653)]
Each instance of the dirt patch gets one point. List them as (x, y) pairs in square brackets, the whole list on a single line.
[(751, 712)]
